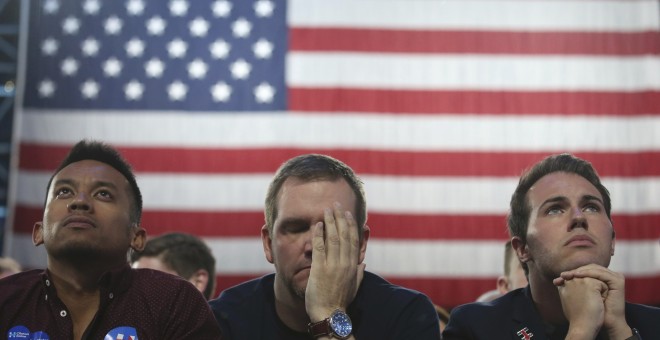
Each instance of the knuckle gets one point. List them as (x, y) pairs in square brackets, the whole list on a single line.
[(333, 239)]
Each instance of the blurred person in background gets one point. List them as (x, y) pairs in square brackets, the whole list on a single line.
[(180, 254), (513, 277), (8, 266)]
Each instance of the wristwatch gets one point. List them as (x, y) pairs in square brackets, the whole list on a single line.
[(338, 325), (635, 335)]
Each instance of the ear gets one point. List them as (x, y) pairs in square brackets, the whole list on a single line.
[(38, 234), (363, 244), (613, 241), (139, 238), (200, 279), (502, 284), (522, 250), (267, 242)]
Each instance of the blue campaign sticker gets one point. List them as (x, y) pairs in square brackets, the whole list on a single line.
[(122, 333), (40, 335), (18, 332)]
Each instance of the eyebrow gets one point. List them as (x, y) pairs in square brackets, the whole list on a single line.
[(592, 198), (584, 198), (72, 183), (554, 200), (294, 220)]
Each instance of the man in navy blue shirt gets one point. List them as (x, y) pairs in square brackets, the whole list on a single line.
[(88, 291), (316, 236), (561, 229)]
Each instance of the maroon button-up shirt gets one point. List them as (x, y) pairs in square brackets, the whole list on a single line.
[(143, 303)]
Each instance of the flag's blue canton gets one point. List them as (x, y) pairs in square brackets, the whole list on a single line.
[(157, 55)]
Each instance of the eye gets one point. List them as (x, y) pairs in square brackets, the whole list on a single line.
[(592, 207), (63, 192), (554, 210), (294, 228), (104, 194)]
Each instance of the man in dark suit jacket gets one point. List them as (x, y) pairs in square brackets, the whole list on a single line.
[(562, 232)]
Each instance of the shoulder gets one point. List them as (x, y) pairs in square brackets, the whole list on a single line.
[(22, 278), (246, 310), (495, 307), (18, 287), (20, 283), (168, 287), (483, 320), (385, 310), (644, 318), (635, 308), (375, 288), (157, 279), (243, 297)]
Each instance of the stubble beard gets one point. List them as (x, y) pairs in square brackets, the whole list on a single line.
[(74, 252), (551, 263), (295, 291)]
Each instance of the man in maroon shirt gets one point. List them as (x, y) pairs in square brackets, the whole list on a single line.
[(91, 220)]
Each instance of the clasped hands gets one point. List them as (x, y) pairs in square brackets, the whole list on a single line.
[(593, 297)]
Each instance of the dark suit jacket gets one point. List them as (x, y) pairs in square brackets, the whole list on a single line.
[(512, 315)]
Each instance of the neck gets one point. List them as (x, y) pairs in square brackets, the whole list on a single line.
[(290, 308), (546, 299), (78, 288), (76, 278)]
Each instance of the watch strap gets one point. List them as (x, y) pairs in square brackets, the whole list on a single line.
[(321, 328)]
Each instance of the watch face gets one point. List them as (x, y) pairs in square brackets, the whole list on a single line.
[(341, 324)]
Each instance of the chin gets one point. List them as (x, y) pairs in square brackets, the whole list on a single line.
[(585, 260)]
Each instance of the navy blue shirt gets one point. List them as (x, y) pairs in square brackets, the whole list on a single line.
[(513, 315), (380, 310), (143, 303)]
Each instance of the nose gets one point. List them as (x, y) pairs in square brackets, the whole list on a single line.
[(578, 219), (307, 239), (79, 202)]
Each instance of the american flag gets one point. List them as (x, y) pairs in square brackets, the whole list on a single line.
[(438, 105)]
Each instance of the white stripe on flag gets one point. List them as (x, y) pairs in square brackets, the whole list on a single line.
[(460, 14), (388, 194), (412, 133), (473, 72)]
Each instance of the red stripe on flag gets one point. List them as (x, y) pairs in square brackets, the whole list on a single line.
[(450, 292), (383, 226), (474, 42), (407, 163), (378, 101)]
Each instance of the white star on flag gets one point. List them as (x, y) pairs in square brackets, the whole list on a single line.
[(113, 25), (71, 25), (221, 92), (241, 28), (177, 90), (219, 49), (90, 89), (240, 69), (156, 26), (177, 48), (46, 88), (154, 68), (221, 8), (264, 8), (112, 67), (178, 8)]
